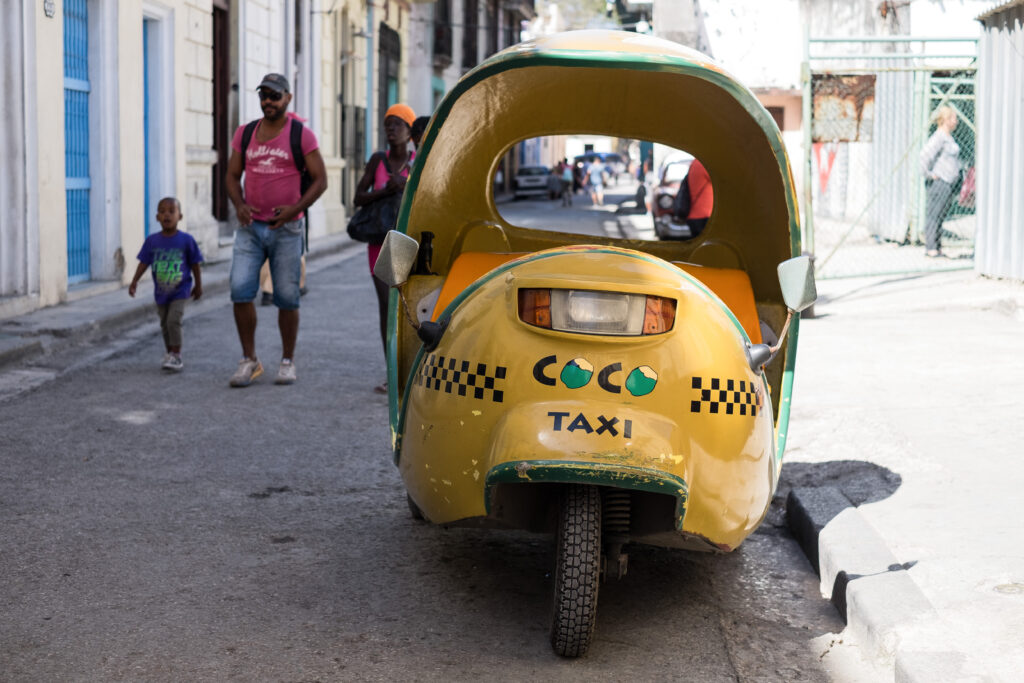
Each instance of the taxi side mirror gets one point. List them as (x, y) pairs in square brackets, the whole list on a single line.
[(397, 259), (796, 277)]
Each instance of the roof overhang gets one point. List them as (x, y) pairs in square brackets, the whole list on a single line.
[(998, 9)]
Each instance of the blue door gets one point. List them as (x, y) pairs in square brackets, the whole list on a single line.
[(147, 28), (76, 136)]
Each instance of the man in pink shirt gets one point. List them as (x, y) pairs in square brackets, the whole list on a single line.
[(269, 215)]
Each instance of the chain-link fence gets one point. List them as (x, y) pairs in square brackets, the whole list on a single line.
[(878, 168)]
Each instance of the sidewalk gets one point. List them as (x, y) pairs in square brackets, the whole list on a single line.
[(903, 469), (28, 338)]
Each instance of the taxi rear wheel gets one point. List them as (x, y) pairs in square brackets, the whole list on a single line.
[(414, 509), (577, 571)]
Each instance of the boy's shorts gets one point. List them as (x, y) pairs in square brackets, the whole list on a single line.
[(257, 243)]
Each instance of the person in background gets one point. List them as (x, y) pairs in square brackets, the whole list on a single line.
[(595, 181), (567, 179), (940, 163), (269, 212), (702, 197), (419, 126), (385, 174), (175, 258)]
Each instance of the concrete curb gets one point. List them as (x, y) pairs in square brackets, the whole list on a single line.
[(872, 591)]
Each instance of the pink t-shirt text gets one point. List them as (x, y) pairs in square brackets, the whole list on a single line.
[(271, 178)]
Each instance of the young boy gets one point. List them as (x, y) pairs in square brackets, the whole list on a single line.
[(175, 258)]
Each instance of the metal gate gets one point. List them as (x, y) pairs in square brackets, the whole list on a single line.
[(870, 106), (76, 136)]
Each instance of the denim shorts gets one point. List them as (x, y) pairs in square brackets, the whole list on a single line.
[(257, 243)]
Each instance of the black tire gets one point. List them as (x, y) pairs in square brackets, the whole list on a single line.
[(413, 507), (577, 571)]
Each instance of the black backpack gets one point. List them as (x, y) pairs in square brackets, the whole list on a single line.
[(681, 204)]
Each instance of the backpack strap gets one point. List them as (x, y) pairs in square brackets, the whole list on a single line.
[(295, 138), (247, 133)]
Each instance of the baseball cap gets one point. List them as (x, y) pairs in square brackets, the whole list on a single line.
[(275, 82)]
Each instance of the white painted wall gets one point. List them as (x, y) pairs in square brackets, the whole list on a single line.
[(14, 252), (48, 76), (194, 80)]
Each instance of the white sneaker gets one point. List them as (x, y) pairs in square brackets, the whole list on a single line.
[(286, 373), (248, 370), (165, 361), (173, 363)]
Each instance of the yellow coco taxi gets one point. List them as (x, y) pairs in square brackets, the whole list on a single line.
[(608, 391)]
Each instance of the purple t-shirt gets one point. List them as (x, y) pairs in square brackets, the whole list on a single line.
[(171, 260), (271, 178)]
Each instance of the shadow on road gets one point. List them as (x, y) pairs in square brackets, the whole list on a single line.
[(860, 482)]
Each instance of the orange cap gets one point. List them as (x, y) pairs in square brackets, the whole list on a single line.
[(402, 111)]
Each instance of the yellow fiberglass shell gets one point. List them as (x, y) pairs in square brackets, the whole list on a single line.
[(519, 401), (622, 85)]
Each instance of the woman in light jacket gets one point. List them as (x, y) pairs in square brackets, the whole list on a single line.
[(940, 163)]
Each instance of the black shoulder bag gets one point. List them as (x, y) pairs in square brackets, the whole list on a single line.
[(371, 222)]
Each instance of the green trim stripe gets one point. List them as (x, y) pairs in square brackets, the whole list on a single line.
[(598, 474)]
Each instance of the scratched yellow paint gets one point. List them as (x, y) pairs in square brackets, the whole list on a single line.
[(723, 458)]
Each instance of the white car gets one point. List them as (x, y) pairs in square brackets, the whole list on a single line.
[(531, 180)]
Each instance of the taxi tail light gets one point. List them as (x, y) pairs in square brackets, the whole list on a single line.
[(660, 315), (535, 307), (596, 312)]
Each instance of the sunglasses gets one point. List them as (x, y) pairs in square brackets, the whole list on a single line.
[(272, 95)]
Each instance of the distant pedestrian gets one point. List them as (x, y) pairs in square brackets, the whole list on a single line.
[(419, 127), (567, 178), (175, 258), (595, 181), (269, 212), (940, 163), (695, 199)]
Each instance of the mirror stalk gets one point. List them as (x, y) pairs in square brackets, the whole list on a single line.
[(408, 312), (782, 335), (796, 280)]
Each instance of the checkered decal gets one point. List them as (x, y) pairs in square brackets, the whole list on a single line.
[(453, 375), (728, 396)]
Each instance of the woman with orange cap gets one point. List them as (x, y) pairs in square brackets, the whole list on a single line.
[(385, 174)]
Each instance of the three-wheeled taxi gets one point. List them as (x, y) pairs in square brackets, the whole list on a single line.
[(610, 391)]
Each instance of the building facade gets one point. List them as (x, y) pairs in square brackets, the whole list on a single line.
[(1000, 171), (113, 105)]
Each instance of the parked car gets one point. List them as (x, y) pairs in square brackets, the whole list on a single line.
[(672, 172), (531, 180)]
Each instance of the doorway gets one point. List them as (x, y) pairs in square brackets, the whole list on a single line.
[(77, 180), (157, 108), (221, 104)]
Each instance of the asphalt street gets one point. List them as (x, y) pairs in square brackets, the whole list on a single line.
[(167, 527)]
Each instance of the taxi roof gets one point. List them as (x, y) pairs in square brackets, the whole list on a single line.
[(619, 84)]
